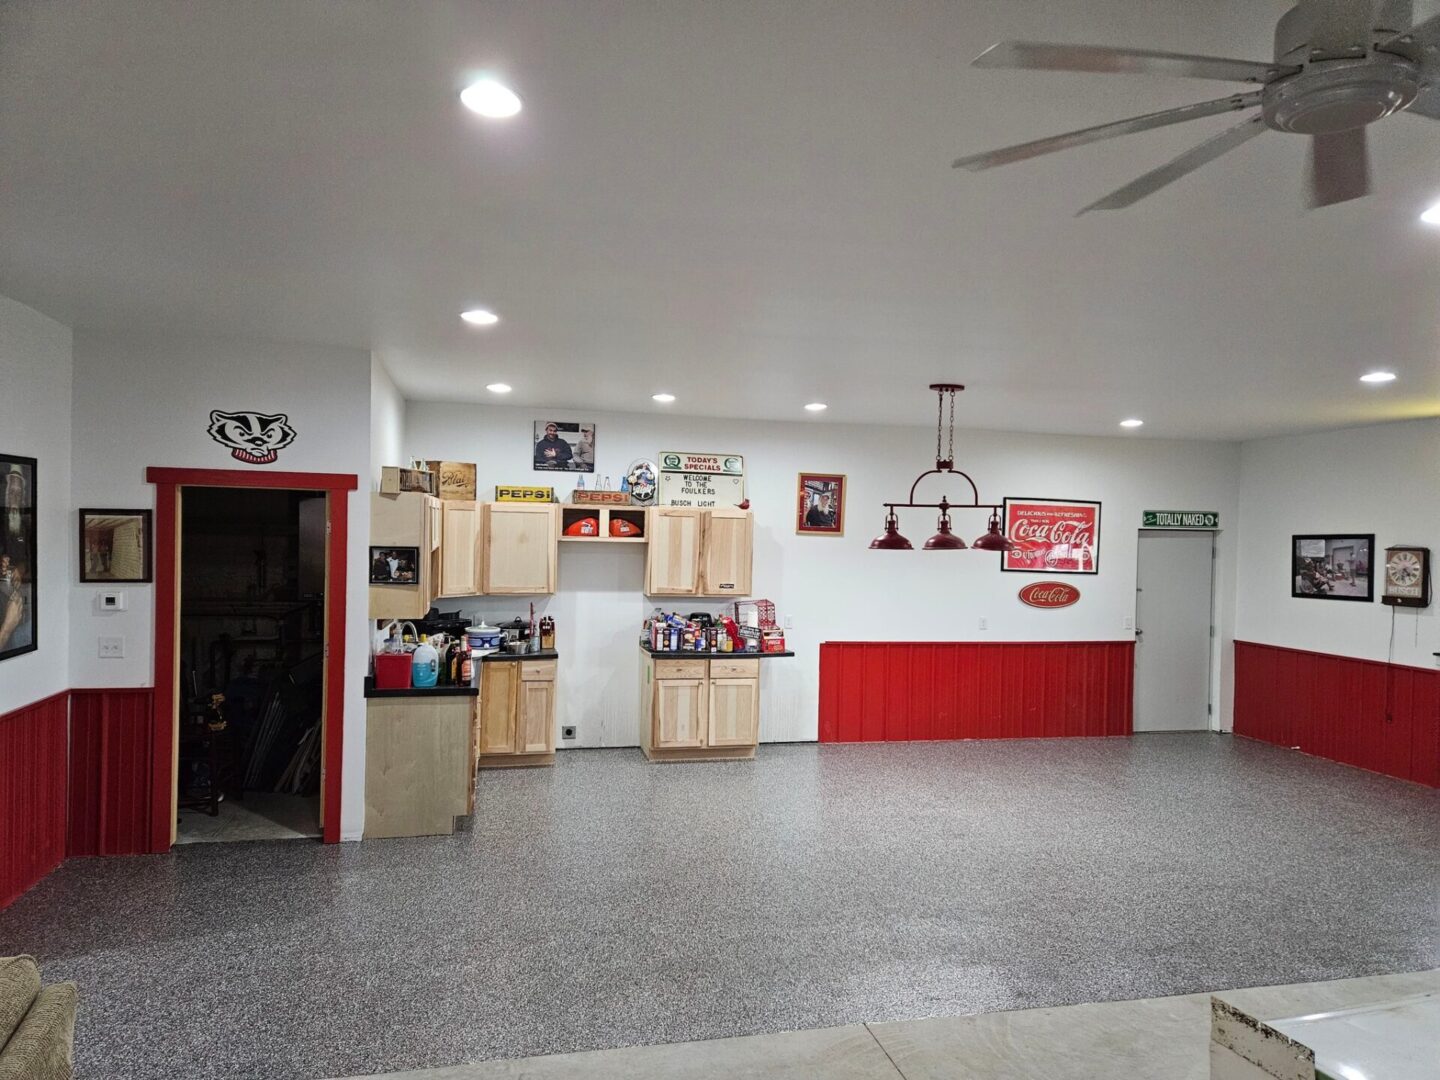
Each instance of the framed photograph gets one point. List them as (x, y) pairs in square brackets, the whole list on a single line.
[(1052, 536), (562, 446), (114, 546), (1336, 566), (394, 565), (18, 555), (820, 504)]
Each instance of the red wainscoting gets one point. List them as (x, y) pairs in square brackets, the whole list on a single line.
[(110, 762), (899, 691), (32, 794), (1377, 716)]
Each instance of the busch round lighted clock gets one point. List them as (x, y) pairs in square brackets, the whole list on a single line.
[(1407, 577)]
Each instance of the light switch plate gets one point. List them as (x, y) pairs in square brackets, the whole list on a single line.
[(112, 648), (1129, 622)]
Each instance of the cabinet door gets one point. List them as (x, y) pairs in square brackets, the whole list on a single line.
[(679, 712), (672, 557), (734, 712), (519, 546), (537, 717), (499, 686), (401, 521), (460, 549), (726, 548)]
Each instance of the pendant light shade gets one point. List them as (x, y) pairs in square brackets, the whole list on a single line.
[(994, 539), (944, 540), (890, 539)]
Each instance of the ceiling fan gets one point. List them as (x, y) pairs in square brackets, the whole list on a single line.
[(1339, 65)]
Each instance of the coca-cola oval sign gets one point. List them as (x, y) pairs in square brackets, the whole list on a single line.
[(1049, 594)]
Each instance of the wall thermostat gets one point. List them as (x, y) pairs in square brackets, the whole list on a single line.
[(112, 601), (1407, 577)]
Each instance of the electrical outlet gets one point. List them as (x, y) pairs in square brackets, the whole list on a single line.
[(984, 623), (1129, 622), (112, 648), (567, 732)]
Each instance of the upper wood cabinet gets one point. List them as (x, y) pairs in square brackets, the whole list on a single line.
[(725, 548), (519, 544), (404, 520), (672, 560), (461, 554)]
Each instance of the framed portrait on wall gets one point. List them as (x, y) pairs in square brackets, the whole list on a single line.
[(391, 565), (1334, 566), (114, 546), (18, 556), (820, 504), (563, 446), (1052, 536)]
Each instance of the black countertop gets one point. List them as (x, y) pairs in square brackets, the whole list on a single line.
[(372, 691), (691, 654), (543, 654)]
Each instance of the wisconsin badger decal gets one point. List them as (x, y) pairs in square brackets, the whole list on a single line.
[(252, 437)]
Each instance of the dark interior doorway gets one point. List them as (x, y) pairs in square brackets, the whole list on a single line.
[(252, 664)]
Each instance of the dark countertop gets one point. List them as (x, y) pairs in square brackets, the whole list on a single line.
[(543, 654), (371, 691), (690, 654)]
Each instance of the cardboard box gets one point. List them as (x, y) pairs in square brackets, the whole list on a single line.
[(617, 498), (455, 479), (523, 493), (394, 479)]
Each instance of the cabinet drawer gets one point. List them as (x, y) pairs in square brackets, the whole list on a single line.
[(537, 670), (734, 669), (679, 669)]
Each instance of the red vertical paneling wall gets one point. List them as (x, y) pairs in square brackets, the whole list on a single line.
[(32, 794), (110, 761), (1376, 716), (901, 691)]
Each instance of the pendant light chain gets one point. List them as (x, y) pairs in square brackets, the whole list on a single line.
[(939, 419), (952, 427)]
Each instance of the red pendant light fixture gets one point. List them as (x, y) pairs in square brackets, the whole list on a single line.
[(944, 539)]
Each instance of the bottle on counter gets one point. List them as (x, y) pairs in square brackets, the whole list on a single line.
[(467, 669), (424, 664)]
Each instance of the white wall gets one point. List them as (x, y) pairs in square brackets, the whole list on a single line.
[(835, 588), (1384, 480), (146, 401), (387, 423), (35, 376)]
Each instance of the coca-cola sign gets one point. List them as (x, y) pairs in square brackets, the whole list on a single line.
[(1049, 594), (1052, 536)]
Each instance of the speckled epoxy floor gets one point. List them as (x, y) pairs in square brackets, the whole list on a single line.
[(608, 902)]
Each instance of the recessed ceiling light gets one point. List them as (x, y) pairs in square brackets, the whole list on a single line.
[(498, 388), (490, 98), (1132, 422), (816, 406), (1378, 377), (664, 399), (1431, 216), (480, 317)]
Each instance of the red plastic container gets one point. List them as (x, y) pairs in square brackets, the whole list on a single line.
[(392, 671)]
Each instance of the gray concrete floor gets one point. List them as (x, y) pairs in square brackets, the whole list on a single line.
[(608, 902)]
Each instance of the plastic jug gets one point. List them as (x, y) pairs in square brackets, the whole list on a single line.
[(424, 665)]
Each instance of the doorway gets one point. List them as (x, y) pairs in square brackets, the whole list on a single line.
[(252, 645), (1174, 601), (172, 487)]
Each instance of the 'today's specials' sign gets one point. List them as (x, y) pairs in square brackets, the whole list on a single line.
[(1179, 519), (701, 480)]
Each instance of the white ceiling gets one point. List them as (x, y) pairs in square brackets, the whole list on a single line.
[(748, 204)]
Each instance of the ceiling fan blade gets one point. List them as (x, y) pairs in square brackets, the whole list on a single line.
[(1420, 37), (1340, 28), (1183, 165), (1427, 103), (1040, 56), (1022, 151), (1339, 167)]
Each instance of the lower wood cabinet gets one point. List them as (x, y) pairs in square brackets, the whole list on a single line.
[(417, 764), (697, 710), (517, 713)]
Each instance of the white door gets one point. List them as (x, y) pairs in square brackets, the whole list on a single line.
[(1172, 630)]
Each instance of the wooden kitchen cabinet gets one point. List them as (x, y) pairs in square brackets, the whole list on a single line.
[(699, 709), (519, 543), (699, 552), (517, 713), (726, 555), (461, 549), (406, 519), (672, 559)]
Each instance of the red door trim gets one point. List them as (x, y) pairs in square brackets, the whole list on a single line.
[(167, 483)]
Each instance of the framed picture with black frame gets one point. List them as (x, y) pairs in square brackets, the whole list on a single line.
[(1333, 566), (391, 565), (114, 546), (19, 554)]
